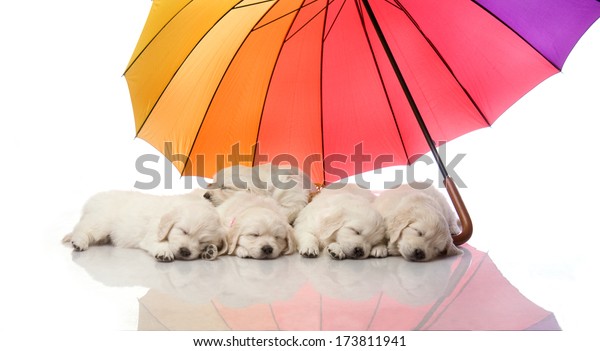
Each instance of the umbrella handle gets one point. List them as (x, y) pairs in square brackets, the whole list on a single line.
[(461, 210)]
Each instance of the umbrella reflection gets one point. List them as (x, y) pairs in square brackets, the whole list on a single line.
[(464, 292)]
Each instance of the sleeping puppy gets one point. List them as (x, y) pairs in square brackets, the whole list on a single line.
[(183, 227), (289, 186), (258, 226), (344, 222), (420, 223)]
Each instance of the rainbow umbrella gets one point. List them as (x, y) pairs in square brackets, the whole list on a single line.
[(338, 87)]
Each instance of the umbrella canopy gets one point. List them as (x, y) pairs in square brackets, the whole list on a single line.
[(316, 82)]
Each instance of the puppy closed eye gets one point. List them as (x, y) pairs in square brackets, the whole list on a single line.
[(419, 233)]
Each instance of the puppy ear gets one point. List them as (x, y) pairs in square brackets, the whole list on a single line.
[(452, 250), (395, 226), (232, 239), (167, 222), (291, 242), (222, 247), (331, 223), (221, 234)]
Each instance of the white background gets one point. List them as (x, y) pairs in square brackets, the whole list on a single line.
[(67, 132)]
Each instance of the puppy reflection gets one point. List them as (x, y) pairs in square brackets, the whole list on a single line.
[(342, 221), (416, 284), (258, 227), (419, 223)]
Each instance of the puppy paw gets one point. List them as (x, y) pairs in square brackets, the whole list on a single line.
[(164, 256), (335, 251), (379, 251), (241, 252), (455, 227), (80, 243), (209, 253), (309, 252)]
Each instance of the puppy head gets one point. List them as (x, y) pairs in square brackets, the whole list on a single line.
[(420, 233), (217, 194), (193, 231), (356, 230), (260, 233), (231, 180)]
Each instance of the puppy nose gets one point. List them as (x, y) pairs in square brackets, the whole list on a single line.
[(184, 252), (359, 252), (267, 249), (418, 255), (207, 196)]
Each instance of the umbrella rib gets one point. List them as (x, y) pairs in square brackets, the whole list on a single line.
[(212, 302), (334, 20), (439, 55), (175, 73), (287, 14), (273, 316), (370, 324), (321, 100), (320, 312), (253, 4), (517, 34), (156, 319), (426, 318), (219, 85), (256, 150), (154, 37), (387, 96), (185, 165)]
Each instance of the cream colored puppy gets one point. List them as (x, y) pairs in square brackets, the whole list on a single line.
[(258, 226), (289, 186), (419, 222), (344, 222), (183, 227)]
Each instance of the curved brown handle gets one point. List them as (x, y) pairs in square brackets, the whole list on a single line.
[(461, 210)]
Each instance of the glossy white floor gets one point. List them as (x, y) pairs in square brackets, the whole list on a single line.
[(68, 133)]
